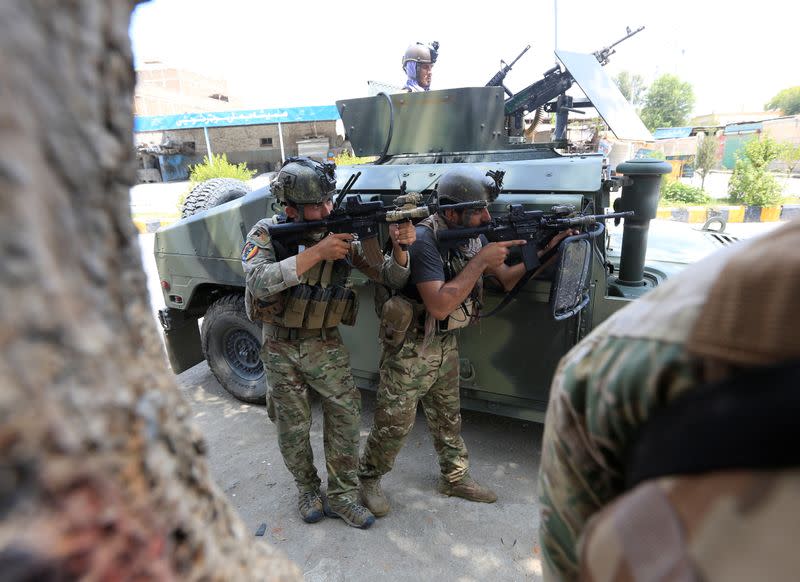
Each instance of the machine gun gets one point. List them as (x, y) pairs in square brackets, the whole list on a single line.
[(536, 227), (553, 84), (499, 76), (605, 52)]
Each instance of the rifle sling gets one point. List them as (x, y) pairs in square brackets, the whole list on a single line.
[(548, 257)]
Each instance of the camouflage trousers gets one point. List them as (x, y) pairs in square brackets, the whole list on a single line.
[(407, 377), (323, 365)]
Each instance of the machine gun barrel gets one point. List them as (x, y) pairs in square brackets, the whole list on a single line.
[(605, 52), (499, 76)]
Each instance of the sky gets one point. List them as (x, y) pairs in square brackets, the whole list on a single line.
[(736, 55)]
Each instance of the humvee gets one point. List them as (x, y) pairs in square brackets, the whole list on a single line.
[(508, 360)]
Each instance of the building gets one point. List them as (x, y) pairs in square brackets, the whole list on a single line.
[(164, 90), (181, 115), (679, 144), (261, 138)]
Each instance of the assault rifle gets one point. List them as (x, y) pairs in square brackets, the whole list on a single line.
[(536, 227), (499, 76), (363, 218)]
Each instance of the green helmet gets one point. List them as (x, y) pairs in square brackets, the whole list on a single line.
[(421, 53), (302, 180), (469, 185)]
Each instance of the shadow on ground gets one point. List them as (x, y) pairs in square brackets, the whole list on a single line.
[(426, 534)]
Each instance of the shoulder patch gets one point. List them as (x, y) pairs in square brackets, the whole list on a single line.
[(249, 251)]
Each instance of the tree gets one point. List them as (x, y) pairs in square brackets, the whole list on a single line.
[(706, 158), (667, 103), (789, 154), (631, 86), (103, 474), (751, 183), (788, 101)]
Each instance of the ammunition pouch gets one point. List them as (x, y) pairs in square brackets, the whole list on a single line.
[(397, 314), (350, 308), (315, 307), (296, 304), (340, 298)]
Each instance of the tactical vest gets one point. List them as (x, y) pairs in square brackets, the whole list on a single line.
[(396, 318), (323, 299)]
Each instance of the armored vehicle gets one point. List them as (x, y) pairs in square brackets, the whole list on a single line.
[(508, 360)]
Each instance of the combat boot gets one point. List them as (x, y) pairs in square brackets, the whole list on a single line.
[(309, 503), (372, 496), (353, 514), (467, 488)]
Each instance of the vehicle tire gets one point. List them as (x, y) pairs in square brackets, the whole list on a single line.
[(231, 344), (212, 193)]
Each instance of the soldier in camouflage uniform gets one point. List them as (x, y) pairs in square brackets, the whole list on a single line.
[(670, 444), (300, 293), (419, 327)]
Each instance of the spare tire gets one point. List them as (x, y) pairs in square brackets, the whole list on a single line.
[(232, 346), (212, 193)]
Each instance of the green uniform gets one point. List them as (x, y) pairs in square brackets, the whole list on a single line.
[(298, 359), (424, 368), (725, 525)]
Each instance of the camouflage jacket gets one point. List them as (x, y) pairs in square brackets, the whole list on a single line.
[(711, 526), (265, 275)]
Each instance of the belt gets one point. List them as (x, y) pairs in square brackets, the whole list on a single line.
[(298, 333)]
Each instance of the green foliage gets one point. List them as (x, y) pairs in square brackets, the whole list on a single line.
[(789, 154), (787, 101), (219, 167), (631, 86), (706, 158), (347, 159), (675, 191), (667, 103), (751, 182)]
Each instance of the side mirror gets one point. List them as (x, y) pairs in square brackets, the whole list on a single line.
[(569, 292)]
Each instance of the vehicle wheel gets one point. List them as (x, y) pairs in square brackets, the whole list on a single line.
[(212, 193), (231, 344)]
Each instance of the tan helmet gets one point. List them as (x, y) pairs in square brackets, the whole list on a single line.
[(421, 53), (469, 185), (302, 180)]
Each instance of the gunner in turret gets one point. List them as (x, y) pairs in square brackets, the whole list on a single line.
[(418, 62)]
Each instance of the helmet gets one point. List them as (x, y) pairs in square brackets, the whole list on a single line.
[(421, 53), (468, 185), (304, 181)]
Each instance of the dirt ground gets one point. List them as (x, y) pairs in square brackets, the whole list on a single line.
[(425, 536)]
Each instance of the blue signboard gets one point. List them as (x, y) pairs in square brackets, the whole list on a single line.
[(672, 132), (231, 118)]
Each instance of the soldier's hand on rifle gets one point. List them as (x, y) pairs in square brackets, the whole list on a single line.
[(494, 254), (402, 233), (333, 247)]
